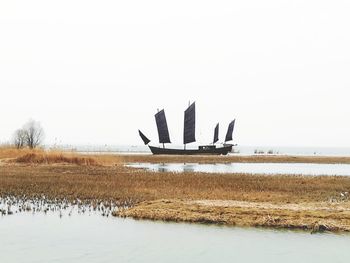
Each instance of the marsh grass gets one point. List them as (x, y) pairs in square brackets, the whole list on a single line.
[(8, 152), (304, 218), (54, 158), (105, 177), (122, 183), (58, 178), (233, 159)]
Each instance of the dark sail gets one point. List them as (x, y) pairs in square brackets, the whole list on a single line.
[(190, 124), (144, 138), (230, 131), (162, 127), (216, 133)]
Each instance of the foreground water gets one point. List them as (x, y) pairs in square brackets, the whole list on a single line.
[(89, 237), (250, 168)]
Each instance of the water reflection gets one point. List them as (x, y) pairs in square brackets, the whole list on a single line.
[(250, 168)]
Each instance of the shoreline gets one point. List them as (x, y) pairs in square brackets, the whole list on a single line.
[(318, 217), (208, 159)]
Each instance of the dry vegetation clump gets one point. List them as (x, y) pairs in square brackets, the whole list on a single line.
[(311, 218), (7, 152), (41, 156), (54, 158)]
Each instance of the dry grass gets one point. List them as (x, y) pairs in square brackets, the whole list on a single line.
[(41, 156), (234, 158), (58, 177), (118, 182), (54, 158), (305, 217), (112, 180), (7, 152)]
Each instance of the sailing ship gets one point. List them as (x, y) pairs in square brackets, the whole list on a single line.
[(189, 136)]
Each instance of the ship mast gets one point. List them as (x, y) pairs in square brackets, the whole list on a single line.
[(230, 131), (216, 133), (162, 127), (190, 125)]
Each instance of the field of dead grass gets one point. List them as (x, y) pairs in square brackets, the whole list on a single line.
[(273, 201), (118, 182), (41, 156), (233, 159)]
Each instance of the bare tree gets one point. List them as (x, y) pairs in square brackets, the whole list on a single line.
[(34, 133), (19, 138)]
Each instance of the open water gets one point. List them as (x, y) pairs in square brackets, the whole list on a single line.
[(35, 238)]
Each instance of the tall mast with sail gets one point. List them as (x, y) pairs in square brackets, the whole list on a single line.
[(230, 131), (190, 124), (216, 133), (162, 127)]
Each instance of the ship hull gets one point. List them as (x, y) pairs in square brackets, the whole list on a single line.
[(213, 151)]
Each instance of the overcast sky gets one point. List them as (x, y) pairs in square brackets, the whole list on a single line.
[(93, 72)]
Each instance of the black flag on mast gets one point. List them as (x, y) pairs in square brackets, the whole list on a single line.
[(230, 131), (162, 127), (216, 133), (190, 124), (144, 138)]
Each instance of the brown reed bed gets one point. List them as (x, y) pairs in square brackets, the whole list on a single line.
[(180, 196), (315, 217), (233, 159), (119, 182), (8, 152), (40, 156), (54, 158)]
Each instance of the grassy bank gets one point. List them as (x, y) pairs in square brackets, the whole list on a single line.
[(305, 202), (314, 217), (234, 159)]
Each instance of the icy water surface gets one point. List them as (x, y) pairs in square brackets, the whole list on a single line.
[(250, 168), (89, 237)]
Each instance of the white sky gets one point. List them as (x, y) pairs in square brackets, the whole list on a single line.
[(96, 71)]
